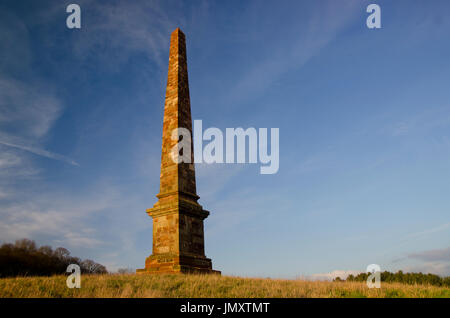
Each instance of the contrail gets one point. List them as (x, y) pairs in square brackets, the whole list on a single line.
[(43, 153)]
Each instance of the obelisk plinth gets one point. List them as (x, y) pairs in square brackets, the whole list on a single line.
[(178, 238)]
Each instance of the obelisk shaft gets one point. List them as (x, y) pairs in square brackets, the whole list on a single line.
[(176, 177)]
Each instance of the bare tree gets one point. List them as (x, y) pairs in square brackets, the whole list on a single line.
[(92, 267), (62, 253)]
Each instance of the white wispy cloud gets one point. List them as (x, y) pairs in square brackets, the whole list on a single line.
[(31, 106), (101, 222), (3, 194), (433, 255), (343, 274), (212, 178), (14, 34), (63, 218), (41, 152), (28, 108), (434, 261), (429, 119), (437, 268), (27, 113), (122, 29), (315, 31), (14, 167), (426, 232)]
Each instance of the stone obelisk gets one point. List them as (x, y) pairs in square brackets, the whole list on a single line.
[(178, 239)]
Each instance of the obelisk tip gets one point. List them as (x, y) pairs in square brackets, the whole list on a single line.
[(177, 30)]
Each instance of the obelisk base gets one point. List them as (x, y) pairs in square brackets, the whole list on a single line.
[(178, 238), (177, 264)]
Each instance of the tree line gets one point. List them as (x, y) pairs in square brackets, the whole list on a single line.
[(25, 258), (400, 277)]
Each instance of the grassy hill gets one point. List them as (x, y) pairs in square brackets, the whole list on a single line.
[(129, 285)]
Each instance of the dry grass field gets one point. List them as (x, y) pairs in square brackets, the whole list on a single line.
[(107, 286)]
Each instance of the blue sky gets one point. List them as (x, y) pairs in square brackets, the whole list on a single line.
[(364, 121)]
